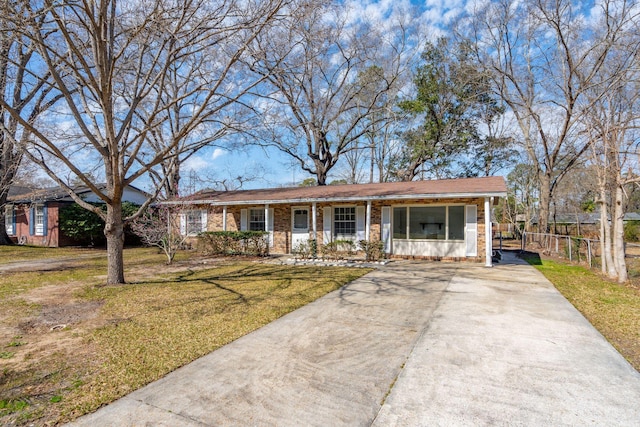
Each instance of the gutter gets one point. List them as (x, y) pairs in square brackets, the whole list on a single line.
[(217, 202)]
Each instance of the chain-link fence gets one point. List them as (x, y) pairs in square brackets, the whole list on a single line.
[(575, 249)]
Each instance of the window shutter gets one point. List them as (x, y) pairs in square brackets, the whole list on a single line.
[(32, 221), (203, 219), (45, 220), (326, 225), (244, 222), (386, 229), (183, 224), (471, 230), (360, 223), (269, 225)]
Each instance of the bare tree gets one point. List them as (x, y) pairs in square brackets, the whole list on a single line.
[(154, 227), (22, 95), (542, 56), (612, 124), (318, 69), (112, 63)]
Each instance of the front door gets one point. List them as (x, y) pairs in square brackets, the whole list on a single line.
[(299, 226)]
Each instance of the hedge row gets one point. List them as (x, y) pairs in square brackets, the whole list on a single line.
[(234, 243)]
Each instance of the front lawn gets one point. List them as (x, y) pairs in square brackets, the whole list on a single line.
[(69, 344), (611, 308)]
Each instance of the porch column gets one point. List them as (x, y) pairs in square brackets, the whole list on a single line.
[(367, 229), (224, 218), (487, 232), (314, 220), (266, 223)]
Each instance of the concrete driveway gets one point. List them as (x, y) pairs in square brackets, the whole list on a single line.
[(412, 344)]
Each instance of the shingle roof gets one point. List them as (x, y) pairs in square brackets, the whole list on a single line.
[(446, 188)]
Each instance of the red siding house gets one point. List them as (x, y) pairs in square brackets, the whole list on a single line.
[(32, 216), (438, 219)]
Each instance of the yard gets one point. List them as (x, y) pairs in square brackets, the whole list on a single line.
[(69, 344)]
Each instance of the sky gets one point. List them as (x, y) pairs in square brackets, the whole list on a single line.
[(271, 168)]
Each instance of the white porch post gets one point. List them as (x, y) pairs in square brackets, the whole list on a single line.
[(266, 223), (224, 218), (487, 232), (314, 220), (368, 222)]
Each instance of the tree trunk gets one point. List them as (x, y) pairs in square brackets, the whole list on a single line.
[(618, 237), (114, 232), (605, 226), (545, 202), (4, 237), (321, 176)]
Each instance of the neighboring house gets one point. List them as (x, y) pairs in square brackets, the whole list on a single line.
[(440, 219), (31, 216)]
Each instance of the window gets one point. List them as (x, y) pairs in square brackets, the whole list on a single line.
[(456, 223), (39, 220), (399, 223), (193, 222), (301, 219), (429, 222), (8, 219), (344, 222), (256, 220)]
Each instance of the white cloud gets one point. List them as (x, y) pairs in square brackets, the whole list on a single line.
[(218, 152), (195, 163)]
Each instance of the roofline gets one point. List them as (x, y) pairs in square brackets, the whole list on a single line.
[(214, 202)]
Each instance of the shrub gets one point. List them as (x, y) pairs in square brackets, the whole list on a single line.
[(632, 231), (338, 249), (373, 249), (86, 227), (234, 243), (306, 250)]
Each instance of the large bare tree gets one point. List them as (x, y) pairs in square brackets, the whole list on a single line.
[(26, 97), (318, 69), (612, 124), (113, 63), (542, 56)]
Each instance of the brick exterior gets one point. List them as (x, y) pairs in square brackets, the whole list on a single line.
[(282, 221), (22, 232)]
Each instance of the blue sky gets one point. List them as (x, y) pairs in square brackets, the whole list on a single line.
[(273, 168)]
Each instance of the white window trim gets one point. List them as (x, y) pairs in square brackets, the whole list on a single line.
[(293, 222), (184, 222), (38, 227), (353, 236)]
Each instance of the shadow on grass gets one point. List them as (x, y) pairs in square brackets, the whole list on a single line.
[(532, 258)]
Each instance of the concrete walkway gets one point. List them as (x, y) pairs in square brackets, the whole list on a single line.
[(412, 344)]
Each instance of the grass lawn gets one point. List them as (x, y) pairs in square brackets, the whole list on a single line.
[(69, 344), (27, 253), (611, 308)]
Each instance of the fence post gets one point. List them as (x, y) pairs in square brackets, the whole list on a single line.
[(589, 252), (523, 244), (569, 243), (557, 250)]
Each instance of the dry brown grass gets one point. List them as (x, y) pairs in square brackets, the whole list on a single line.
[(68, 344)]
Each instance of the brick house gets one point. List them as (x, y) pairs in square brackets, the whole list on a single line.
[(438, 219), (32, 216)]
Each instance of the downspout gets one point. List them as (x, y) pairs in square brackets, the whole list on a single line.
[(314, 215), (224, 218), (368, 222), (487, 232)]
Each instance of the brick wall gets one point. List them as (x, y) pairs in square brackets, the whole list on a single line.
[(283, 220)]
